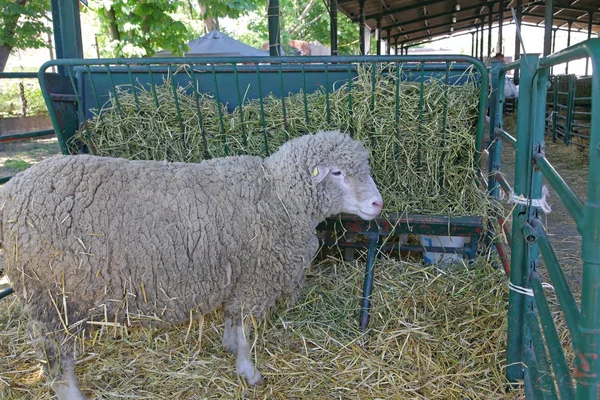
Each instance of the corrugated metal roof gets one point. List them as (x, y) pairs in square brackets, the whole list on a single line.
[(412, 21)]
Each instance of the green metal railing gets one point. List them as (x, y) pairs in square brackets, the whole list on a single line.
[(25, 135), (534, 352), (569, 109)]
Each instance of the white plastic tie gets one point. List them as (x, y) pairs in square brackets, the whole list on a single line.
[(527, 291), (537, 203)]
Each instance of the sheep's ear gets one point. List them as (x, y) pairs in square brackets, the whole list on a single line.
[(319, 173)]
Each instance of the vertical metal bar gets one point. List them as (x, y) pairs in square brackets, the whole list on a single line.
[(220, 112), (554, 106), (587, 365), (283, 109), (368, 281), (67, 30), (500, 23), (545, 381), (421, 105), (444, 123), (262, 109), (519, 260), (378, 36), (519, 12), (327, 105), (569, 24), (548, 21), (274, 34), (112, 86), (304, 95), (152, 85), (472, 43), (572, 79), (388, 32), (490, 21), (333, 26), (396, 45), (350, 110), (397, 116), (205, 152), (241, 104), (481, 43), (496, 101), (176, 98), (132, 83), (361, 24), (589, 30), (476, 51)]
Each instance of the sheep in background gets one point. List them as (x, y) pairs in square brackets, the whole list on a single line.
[(89, 239)]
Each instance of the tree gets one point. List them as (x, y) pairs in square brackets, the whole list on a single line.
[(302, 20), (22, 26), (212, 10), (140, 28)]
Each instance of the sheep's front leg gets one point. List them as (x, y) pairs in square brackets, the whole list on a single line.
[(244, 365), (229, 337), (60, 368)]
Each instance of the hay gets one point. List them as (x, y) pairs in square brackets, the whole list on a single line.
[(424, 163), (433, 335)]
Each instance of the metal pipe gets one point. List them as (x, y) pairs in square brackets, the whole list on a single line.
[(333, 26), (361, 24), (472, 43), (548, 20), (476, 52), (490, 16), (518, 39), (500, 23), (519, 268), (570, 24), (481, 43), (590, 21), (388, 31), (378, 36), (274, 34)]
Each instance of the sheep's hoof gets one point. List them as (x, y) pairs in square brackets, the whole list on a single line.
[(255, 380)]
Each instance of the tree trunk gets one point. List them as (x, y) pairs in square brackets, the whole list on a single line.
[(113, 29), (210, 23), (4, 53), (8, 30)]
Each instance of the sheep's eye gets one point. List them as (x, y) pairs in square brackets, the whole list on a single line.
[(336, 173)]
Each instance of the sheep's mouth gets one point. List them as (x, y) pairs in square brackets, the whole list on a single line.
[(368, 215)]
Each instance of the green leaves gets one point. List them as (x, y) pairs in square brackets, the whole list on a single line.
[(22, 23)]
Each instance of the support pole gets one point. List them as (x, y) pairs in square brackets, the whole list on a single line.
[(396, 46), (590, 21), (333, 26), (519, 13), (476, 53), (548, 21), (378, 36), (388, 39), (489, 43), (481, 43), (361, 24), (67, 30), (472, 43), (500, 23), (570, 24), (274, 34)]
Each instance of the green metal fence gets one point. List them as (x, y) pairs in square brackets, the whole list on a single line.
[(534, 351), (569, 109)]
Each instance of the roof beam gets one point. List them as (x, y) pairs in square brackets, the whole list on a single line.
[(401, 9), (568, 7), (567, 20), (458, 21), (427, 17)]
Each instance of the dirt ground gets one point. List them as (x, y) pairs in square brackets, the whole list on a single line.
[(18, 156)]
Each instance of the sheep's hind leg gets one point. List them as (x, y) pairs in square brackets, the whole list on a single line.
[(244, 365), (229, 337), (60, 370)]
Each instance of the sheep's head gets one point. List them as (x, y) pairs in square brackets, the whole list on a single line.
[(334, 172)]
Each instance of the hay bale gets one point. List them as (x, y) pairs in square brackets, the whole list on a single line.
[(423, 161)]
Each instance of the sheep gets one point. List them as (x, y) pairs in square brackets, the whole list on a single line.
[(90, 239)]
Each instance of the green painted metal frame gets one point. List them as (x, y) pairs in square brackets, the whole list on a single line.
[(87, 83), (533, 341)]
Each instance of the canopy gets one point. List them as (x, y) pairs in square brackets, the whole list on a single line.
[(216, 43)]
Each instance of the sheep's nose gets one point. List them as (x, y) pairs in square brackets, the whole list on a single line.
[(378, 204)]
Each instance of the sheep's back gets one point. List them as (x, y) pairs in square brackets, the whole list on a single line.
[(127, 237)]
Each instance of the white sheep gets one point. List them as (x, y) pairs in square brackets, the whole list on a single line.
[(89, 238)]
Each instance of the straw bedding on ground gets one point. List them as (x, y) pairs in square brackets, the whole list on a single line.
[(433, 335), (423, 156)]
